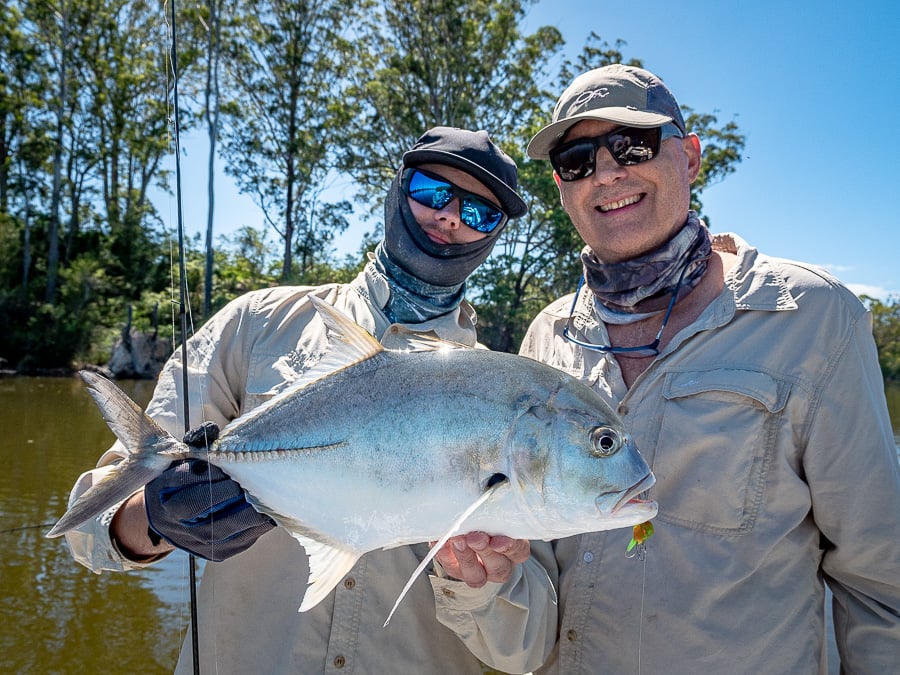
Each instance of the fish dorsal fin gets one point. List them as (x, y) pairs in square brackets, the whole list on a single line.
[(346, 337), (402, 339), (327, 567), (455, 529)]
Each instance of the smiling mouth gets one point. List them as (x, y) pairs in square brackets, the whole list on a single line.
[(622, 203)]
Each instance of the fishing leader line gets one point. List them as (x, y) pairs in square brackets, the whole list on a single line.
[(643, 558), (182, 307)]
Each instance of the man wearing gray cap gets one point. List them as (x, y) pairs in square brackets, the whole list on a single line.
[(750, 384), (443, 212)]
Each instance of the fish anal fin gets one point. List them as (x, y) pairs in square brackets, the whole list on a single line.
[(328, 565)]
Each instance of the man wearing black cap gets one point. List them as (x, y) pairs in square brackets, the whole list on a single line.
[(750, 384), (444, 210)]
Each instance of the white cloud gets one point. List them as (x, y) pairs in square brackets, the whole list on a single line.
[(877, 292)]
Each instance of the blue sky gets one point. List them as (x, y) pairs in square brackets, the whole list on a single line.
[(814, 86)]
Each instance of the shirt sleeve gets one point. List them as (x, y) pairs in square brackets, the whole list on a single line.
[(853, 474), (510, 626), (90, 543)]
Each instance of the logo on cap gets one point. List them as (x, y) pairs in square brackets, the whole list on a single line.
[(587, 96)]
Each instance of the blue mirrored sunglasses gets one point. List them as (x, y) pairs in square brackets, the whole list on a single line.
[(436, 192)]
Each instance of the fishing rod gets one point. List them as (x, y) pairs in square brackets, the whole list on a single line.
[(182, 312)]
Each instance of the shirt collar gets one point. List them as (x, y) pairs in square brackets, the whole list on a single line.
[(455, 326), (755, 283)]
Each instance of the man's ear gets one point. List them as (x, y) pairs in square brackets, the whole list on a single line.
[(691, 145), (558, 182)]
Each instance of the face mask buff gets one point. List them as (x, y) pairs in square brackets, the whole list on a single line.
[(407, 245)]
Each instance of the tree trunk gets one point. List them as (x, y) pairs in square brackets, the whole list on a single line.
[(212, 120), (56, 197)]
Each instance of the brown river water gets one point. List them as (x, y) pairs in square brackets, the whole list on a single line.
[(57, 617)]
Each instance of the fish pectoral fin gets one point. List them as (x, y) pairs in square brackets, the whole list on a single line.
[(495, 484), (327, 567)]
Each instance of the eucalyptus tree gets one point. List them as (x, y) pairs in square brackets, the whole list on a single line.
[(127, 97), (285, 65), (463, 63), (57, 24), (211, 112), (96, 130), (20, 86), (23, 149)]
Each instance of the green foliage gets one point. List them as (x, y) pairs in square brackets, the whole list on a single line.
[(439, 62), (722, 148), (886, 328), (310, 91), (43, 335)]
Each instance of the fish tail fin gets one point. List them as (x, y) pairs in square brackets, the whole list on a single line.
[(150, 449)]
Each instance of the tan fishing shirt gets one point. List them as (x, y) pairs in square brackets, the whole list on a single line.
[(248, 619), (766, 426)]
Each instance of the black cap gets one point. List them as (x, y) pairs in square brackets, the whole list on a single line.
[(474, 153)]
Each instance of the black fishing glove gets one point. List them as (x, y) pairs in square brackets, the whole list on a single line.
[(197, 507)]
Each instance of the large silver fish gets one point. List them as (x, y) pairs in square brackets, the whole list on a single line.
[(376, 448)]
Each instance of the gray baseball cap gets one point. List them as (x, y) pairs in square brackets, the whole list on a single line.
[(618, 93)]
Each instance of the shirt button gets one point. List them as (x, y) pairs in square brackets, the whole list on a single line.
[(571, 635), (588, 557), (349, 583), (623, 409), (450, 593), (339, 661)]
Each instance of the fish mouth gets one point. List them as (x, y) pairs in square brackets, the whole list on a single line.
[(628, 497)]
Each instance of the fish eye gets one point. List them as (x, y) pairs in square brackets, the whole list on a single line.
[(605, 441)]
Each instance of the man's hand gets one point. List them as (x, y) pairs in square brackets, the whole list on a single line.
[(477, 558), (197, 507)]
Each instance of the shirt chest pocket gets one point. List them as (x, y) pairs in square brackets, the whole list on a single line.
[(717, 440)]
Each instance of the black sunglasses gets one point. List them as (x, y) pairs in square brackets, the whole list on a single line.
[(436, 192), (628, 146)]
